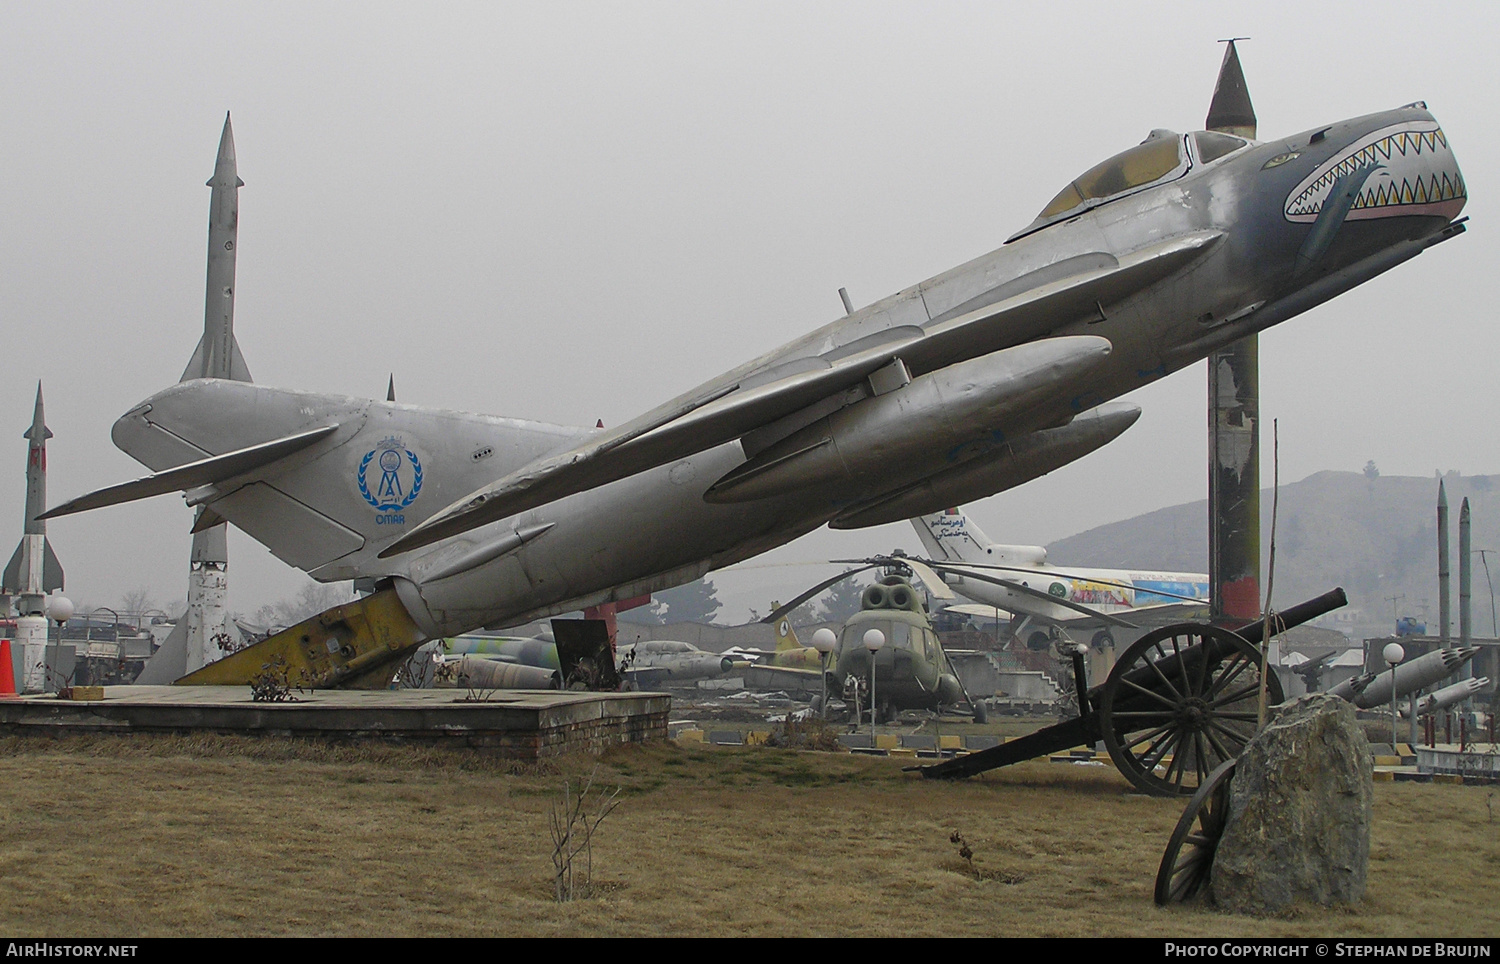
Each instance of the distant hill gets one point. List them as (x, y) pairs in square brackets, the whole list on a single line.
[(1375, 537)]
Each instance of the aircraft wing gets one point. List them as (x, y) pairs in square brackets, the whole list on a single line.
[(1167, 613), (1146, 617), (721, 412), (676, 430)]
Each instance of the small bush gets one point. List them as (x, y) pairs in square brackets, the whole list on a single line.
[(813, 733)]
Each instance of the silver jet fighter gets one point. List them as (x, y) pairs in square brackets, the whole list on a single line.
[(929, 398), (650, 664)]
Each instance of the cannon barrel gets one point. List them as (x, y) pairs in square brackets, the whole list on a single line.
[(1086, 728), (1193, 658)]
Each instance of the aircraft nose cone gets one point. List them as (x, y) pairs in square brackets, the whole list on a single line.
[(1412, 171)]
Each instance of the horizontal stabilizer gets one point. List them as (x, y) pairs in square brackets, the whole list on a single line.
[(207, 471)]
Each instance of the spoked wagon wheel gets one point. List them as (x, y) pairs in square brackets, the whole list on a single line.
[(1189, 859), (1182, 700)]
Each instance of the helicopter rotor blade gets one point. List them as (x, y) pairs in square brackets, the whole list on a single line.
[(930, 578), (917, 567), (920, 570), (788, 607)]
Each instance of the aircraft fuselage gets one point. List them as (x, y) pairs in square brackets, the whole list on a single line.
[(1145, 282)]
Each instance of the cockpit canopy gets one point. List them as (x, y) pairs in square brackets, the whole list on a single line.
[(1163, 156)]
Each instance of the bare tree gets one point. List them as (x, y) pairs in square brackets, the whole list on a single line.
[(311, 599), (574, 820), (137, 601)]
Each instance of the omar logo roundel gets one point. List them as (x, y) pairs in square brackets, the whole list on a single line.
[(390, 479)]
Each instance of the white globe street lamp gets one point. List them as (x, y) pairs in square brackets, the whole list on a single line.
[(1394, 654), (823, 641), (59, 609)]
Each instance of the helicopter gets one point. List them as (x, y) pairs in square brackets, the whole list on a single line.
[(912, 671)]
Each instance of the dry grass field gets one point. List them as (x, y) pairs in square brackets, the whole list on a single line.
[(227, 836)]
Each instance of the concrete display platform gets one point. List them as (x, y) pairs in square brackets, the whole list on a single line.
[(1477, 761), (521, 724)]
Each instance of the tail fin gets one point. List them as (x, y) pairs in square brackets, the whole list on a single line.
[(786, 636), (323, 481), (951, 536)]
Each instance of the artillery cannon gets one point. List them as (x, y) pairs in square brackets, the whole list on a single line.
[(1180, 701)]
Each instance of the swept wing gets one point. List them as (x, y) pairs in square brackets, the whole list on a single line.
[(720, 412)]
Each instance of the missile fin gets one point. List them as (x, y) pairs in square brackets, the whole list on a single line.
[(197, 367), (12, 579), (207, 519), (52, 571)]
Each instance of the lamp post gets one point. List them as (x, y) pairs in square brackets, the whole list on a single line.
[(59, 610), (823, 641), (1393, 654), (874, 640)]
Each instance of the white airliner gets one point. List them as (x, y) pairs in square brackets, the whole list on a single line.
[(1080, 598)]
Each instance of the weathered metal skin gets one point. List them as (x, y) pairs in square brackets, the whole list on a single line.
[(1162, 277), (868, 445), (1011, 463)]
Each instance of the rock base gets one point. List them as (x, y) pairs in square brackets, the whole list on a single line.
[(1299, 815)]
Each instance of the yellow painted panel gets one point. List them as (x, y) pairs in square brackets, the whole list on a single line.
[(347, 646)]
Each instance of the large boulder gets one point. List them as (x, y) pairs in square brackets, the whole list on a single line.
[(1298, 827)]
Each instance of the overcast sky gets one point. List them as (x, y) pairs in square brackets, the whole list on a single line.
[(575, 211)]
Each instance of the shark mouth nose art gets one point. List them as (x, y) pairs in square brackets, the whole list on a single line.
[(1416, 174)]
